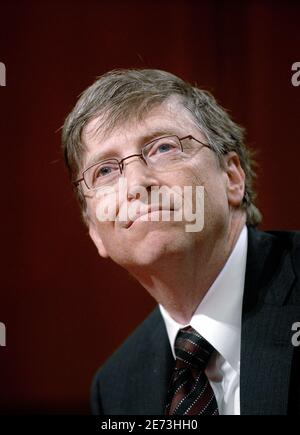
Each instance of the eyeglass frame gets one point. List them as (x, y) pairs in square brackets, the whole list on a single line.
[(120, 162)]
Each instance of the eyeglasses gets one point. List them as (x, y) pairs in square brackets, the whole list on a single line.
[(160, 153)]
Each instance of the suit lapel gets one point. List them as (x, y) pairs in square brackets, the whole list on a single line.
[(266, 348), (152, 377)]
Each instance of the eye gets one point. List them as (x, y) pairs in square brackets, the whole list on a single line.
[(106, 169), (164, 146)]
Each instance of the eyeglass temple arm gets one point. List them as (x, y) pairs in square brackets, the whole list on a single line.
[(197, 140), (76, 182)]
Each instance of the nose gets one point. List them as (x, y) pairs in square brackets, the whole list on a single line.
[(138, 175)]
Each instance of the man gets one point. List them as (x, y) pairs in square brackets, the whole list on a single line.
[(220, 340)]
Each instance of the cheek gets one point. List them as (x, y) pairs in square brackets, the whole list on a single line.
[(216, 208), (211, 176), (215, 196), (103, 208)]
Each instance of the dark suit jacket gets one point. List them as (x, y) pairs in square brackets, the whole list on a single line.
[(135, 378)]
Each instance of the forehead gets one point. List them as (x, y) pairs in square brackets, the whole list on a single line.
[(170, 117)]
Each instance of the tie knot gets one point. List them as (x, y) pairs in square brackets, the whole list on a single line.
[(191, 349)]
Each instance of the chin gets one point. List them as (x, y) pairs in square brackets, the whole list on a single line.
[(153, 247)]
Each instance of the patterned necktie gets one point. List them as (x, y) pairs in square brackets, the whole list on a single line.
[(190, 392)]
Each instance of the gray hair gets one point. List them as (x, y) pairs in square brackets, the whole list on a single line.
[(121, 95)]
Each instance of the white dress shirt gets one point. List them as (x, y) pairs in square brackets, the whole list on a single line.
[(218, 320)]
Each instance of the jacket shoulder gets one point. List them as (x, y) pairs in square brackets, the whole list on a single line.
[(289, 242), (273, 262), (283, 240), (126, 361), (137, 340)]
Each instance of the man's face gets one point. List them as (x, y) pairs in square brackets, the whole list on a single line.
[(145, 242)]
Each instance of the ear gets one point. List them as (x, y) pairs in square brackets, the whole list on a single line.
[(235, 179), (95, 236)]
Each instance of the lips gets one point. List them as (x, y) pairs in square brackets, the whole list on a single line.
[(145, 212)]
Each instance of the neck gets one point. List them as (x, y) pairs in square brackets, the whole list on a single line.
[(180, 281)]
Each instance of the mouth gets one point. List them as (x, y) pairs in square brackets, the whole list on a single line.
[(152, 213)]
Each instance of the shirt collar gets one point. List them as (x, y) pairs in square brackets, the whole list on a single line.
[(218, 316)]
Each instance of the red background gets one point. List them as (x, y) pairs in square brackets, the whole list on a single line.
[(65, 309)]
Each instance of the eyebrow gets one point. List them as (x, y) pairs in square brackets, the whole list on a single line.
[(143, 140)]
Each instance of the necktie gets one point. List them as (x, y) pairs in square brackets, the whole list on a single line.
[(190, 392)]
